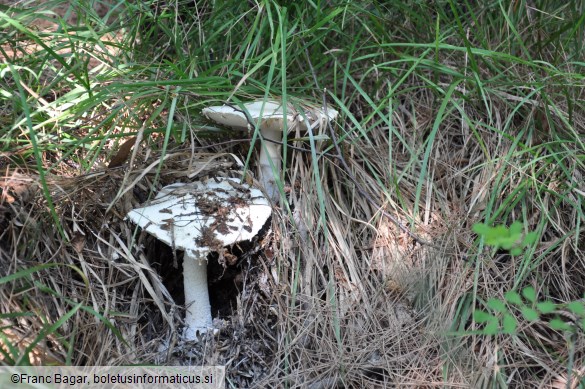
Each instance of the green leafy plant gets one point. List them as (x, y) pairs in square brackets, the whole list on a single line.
[(501, 319), (512, 239)]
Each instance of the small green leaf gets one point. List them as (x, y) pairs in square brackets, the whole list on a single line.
[(530, 238), (516, 251), (516, 229), (513, 298), (492, 327), (509, 323), (481, 229), (482, 317), (559, 325), (529, 293), (507, 243), (510, 240), (529, 313), (577, 308), (497, 235), (497, 305), (546, 307)]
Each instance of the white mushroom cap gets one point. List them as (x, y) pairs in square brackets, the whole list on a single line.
[(201, 217), (271, 113), (269, 116)]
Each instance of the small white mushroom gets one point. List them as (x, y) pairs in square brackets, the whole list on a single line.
[(199, 218), (269, 116)]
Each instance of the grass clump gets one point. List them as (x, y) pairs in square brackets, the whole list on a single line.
[(452, 114)]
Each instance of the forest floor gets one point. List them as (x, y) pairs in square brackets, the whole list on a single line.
[(432, 237)]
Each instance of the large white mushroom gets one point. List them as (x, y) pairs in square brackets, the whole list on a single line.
[(269, 116), (199, 218)]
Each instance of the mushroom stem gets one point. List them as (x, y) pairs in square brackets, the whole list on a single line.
[(198, 317), (270, 152)]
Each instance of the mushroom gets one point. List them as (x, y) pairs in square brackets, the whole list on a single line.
[(199, 218), (269, 116)]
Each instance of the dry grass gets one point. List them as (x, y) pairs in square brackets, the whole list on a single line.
[(335, 307), (360, 305)]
